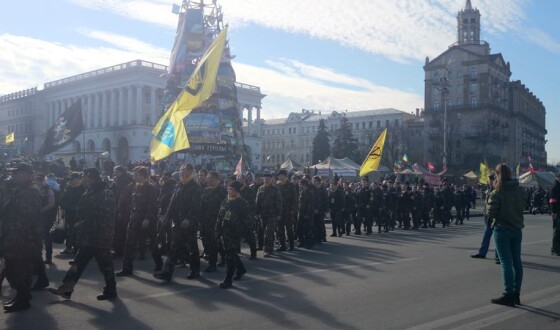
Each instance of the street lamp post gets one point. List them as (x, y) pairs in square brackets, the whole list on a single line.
[(444, 90)]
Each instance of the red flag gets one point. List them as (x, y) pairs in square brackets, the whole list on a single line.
[(531, 168), (431, 166), (239, 167)]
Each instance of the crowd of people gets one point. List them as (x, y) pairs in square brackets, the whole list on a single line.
[(136, 212)]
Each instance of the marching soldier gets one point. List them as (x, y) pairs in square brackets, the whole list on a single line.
[(350, 206), (184, 212), (427, 204), (249, 194), (20, 236), (416, 207), (143, 218), (95, 229), (233, 216), (269, 209), (289, 210), (121, 189), (167, 185), (212, 198), (438, 211), (376, 204), (321, 205), (405, 204), (363, 196), (336, 208), (306, 213)]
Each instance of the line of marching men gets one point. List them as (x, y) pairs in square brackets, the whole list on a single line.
[(133, 214)]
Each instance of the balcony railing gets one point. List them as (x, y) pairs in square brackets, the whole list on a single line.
[(99, 72)]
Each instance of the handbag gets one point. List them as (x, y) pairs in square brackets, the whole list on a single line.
[(58, 232)]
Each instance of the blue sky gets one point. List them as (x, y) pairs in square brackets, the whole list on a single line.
[(312, 54)]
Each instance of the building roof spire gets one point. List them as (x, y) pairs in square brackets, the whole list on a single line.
[(468, 5)]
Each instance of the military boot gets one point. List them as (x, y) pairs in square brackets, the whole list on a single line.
[(228, 281), (167, 273), (126, 270), (19, 303), (158, 263), (291, 245), (507, 299), (241, 270), (108, 294)]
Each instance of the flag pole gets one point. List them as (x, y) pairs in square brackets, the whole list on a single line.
[(84, 120)]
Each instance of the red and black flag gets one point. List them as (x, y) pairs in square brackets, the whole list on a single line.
[(65, 129)]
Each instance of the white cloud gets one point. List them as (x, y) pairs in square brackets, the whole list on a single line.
[(401, 30), (305, 86), (542, 39)]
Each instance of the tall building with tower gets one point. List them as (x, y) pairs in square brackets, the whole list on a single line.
[(473, 111)]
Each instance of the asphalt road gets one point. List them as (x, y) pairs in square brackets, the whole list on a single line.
[(421, 279)]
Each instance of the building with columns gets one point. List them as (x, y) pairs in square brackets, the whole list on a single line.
[(120, 106), (293, 136), (470, 100)]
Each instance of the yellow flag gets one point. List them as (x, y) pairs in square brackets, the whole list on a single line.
[(10, 138), (169, 133), (371, 163), (484, 173)]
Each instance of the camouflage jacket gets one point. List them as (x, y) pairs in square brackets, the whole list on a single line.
[(144, 203), (233, 217), (289, 198), (165, 193), (212, 199), (20, 221), (269, 201), (124, 203), (96, 218), (306, 204)]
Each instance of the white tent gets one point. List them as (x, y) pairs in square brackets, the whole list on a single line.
[(290, 165), (340, 167), (537, 179)]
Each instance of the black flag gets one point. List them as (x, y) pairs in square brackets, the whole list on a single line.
[(65, 129)]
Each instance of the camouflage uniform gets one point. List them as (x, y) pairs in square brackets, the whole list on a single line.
[(122, 216), (363, 198), (459, 203), (144, 207), (184, 205), (94, 237), (20, 236), (249, 194), (336, 209), (287, 218), (233, 217), (164, 229), (212, 199), (122, 190), (405, 204), (377, 206), (350, 206), (269, 208), (321, 204), (306, 213), (70, 203)]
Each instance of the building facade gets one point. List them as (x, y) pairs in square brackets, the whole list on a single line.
[(120, 106), (293, 136), (469, 97)]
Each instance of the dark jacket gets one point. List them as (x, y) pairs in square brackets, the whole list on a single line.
[(233, 216), (506, 207), (269, 201), (554, 199), (96, 218), (185, 203), (20, 221), (144, 203)]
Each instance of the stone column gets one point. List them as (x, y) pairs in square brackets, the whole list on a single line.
[(129, 108), (139, 105), (121, 107), (249, 119), (259, 133), (114, 118), (97, 111), (153, 106), (103, 108), (85, 111), (91, 111)]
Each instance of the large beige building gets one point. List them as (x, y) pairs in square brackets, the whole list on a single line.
[(486, 116), (120, 106), (293, 136)]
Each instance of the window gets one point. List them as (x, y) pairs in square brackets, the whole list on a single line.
[(370, 124), (357, 126), (364, 125), (435, 76), (473, 88), (436, 106), (474, 102), (459, 73), (460, 89), (474, 73), (396, 123), (378, 123), (387, 123), (460, 101)]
